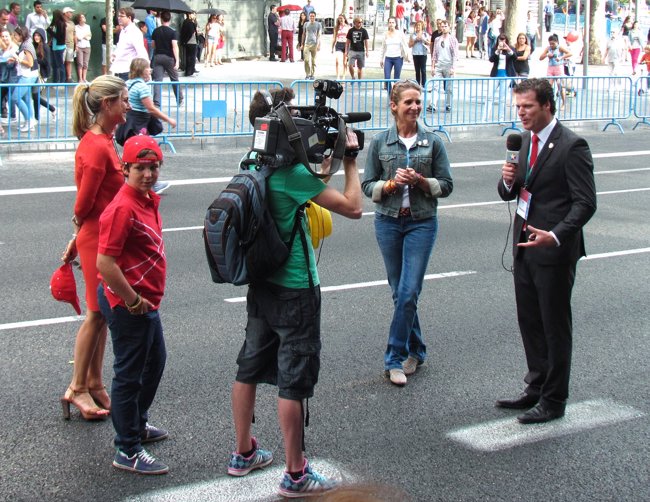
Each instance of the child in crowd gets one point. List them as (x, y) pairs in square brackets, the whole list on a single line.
[(143, 28), (131, 261), (645, 58)]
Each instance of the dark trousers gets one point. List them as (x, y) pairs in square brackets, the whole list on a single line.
[(58, 66), (273, 44), (8, 108), (38, 102), (543, 294), (548, 21), (140, 355), (164, 64), (420, 63), (190, 59)]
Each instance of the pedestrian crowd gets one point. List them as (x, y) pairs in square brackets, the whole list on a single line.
[(59, 47)]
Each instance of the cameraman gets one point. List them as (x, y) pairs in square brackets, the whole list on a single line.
[(282, 345)]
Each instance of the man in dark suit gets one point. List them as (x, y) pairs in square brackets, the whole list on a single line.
[(556, 194), (273, 23)]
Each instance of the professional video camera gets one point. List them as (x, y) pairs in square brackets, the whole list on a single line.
[(307, 134)]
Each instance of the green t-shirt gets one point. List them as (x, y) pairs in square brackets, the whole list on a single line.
[(290, 187)]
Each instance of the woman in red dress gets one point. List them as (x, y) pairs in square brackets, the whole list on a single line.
[(98, 108)]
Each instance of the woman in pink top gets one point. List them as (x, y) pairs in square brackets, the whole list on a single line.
[(338, 44), (98, 108)]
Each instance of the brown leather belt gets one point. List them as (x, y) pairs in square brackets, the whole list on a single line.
[(405, 211)]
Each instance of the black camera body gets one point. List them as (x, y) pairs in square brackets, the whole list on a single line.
[(321, 129)]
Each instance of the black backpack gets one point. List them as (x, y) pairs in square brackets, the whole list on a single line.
[(242, 242)]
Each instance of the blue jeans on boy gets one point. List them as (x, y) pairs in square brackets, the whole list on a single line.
[(22, 96), (140, 355), (406, 246)]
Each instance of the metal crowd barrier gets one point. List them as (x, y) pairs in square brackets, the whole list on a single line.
[(642, 101), (50, 127), (470, 101), (211, 109), (208, 109)]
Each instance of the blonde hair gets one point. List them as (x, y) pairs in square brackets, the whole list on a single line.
[(87, 101), (398, 89), (138, 66)]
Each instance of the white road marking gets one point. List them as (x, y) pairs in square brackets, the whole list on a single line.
[(370, 284), (261, 485), (226, 179), (41, 322), (58, 320), (509, 433), (616, 253)]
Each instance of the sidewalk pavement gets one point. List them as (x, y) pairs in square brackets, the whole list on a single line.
[(263, 69)]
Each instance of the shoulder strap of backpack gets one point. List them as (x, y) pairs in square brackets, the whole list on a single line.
[(303, 239), (297, 225)]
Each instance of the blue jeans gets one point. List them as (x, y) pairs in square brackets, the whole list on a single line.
[(140, 355), (22, 97), (406, 246), (393, 65)]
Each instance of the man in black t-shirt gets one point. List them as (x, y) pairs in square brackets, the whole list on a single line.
[(165, 57), (356, 47)]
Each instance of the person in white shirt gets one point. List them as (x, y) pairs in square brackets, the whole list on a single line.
[(443, 65), (83, 36), (37, 19), (288, 27), (129, 46), (394, 51)]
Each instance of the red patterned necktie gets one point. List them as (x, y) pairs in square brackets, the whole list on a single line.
[(533, 150)]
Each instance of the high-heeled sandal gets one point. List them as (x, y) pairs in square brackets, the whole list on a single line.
[(88, 413), (101, 397)]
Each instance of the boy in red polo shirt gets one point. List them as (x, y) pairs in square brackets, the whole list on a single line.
[(131, 260)]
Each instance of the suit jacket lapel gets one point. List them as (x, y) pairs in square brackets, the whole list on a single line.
[(545, 152)]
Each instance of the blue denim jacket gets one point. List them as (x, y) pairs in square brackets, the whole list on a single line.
[(427, 156)]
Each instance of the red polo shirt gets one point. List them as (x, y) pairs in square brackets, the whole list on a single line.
[(130, 229)]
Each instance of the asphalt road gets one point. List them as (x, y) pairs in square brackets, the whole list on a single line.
[(438, 439)]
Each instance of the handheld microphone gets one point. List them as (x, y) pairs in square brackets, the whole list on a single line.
[(513, 145), (354, 117)]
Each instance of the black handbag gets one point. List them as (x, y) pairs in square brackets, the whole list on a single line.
[(138, 123)]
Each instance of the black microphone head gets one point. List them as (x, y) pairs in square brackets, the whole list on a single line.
[(354, 117), (513, 142)]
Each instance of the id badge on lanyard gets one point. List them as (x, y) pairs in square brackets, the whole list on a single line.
[(523, 203)]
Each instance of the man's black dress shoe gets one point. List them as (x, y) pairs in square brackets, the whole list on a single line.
[(540, 414), (521, 402)]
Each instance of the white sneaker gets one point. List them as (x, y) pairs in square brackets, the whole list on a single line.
[(7, 120), (397, 377), (53, 116), (29, 125)]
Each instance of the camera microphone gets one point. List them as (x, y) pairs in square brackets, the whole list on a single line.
[(513, 145), (354, 117)]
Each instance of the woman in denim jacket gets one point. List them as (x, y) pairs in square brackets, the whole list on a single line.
[(406, 171)]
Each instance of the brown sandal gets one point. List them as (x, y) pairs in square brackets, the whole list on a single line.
[(101, 397), (87, 412)]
